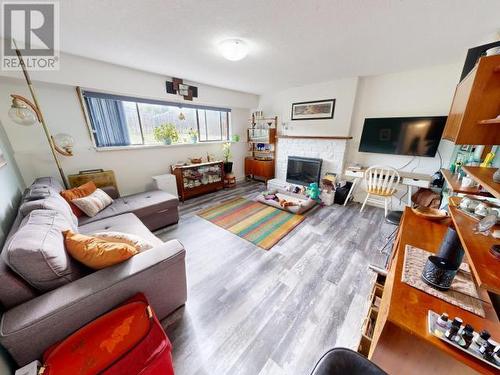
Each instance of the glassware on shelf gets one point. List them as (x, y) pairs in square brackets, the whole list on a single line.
[(204, 175)]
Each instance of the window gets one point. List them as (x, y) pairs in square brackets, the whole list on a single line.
[(117, 120)]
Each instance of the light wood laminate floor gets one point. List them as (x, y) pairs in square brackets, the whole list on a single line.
[(251, 311)]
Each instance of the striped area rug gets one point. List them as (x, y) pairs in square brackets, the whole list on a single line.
[(256, 222)]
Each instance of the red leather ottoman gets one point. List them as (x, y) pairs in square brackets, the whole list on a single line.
[(128, 340)]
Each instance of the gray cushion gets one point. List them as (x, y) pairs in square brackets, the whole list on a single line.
[(50, 182), (54, 203), (36, 251), (36, 192), (126, 223), (13, 288), (141, 204)]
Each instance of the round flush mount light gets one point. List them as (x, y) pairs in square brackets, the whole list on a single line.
[(233, 49)]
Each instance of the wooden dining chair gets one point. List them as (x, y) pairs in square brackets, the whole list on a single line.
[(381, 184)]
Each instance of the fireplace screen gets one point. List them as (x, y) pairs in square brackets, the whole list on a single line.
[(303, 171)]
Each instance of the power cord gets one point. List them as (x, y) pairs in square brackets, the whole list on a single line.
[(418, 165), (407, 164)]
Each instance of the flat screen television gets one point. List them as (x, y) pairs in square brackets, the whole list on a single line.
[(417, 136)]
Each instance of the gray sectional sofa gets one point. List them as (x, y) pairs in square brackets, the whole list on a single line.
[(45, 295)]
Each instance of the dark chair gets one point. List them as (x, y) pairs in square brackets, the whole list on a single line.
[(344, 361), (394, 218)]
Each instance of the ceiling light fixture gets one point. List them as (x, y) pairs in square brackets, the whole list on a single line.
[(233, 49)]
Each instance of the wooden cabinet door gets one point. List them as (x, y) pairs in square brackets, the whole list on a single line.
[(258, 168), (477, 98), (249, 163), (458, 107), (264, 168)]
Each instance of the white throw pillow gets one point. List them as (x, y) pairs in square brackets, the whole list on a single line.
[(130, 239), (94, 203)]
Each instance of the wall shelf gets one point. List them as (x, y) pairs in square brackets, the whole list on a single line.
[(484, 177), (455, 184), (485, 267), (260, 163), (475, 105), (311, 137)]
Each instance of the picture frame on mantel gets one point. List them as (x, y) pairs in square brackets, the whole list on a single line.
[(313, 110)]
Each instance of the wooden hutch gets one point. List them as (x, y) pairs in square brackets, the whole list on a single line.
[(473, 117), (395, 334), (261, 138)]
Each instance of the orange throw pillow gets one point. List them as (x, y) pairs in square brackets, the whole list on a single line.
[(78, 192), (96, 253)]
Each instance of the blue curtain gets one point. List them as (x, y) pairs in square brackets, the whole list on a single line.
[(108, 121)]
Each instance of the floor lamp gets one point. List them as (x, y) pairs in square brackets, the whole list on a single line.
[(25, 112)]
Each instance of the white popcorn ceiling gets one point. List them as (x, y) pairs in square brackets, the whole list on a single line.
[(292, 42)]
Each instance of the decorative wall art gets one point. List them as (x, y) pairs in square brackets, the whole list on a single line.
[(176, 86), (314, 110)]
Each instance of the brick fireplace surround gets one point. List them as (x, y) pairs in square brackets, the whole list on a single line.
[(331, 151)]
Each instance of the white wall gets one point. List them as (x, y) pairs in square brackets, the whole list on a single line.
[(423, 92), (343, 90), (61, 107), (11, 188)]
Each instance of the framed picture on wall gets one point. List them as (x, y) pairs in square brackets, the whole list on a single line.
[(3, 161), (315, 110)]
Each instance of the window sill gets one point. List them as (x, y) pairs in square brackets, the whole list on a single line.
[(141, 147)]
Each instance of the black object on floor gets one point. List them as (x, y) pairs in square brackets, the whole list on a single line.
[(341, 193), (394, 217), (345, 361)]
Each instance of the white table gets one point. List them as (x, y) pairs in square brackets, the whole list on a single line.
[(166, 182), (409, 179)]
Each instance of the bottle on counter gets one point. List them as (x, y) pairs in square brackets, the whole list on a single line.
[(452, 332), (496, 355), (443, 321), (442, 325), (487, 350), (481, 339), (467, 336)]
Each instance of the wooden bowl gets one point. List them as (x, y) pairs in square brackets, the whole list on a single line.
[(195, 160), (432, 214)]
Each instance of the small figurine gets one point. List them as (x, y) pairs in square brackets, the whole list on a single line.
[(313, 191)]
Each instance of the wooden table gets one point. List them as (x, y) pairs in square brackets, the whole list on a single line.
[(401, 343)]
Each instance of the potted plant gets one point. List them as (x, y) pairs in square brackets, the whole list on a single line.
[(193, 134), (166, 133), (226, 153)]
